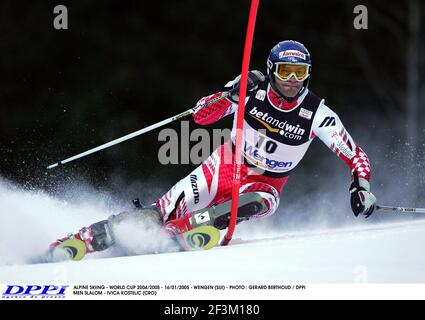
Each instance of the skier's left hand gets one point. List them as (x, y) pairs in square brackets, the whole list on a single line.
[(362, 200), (255, 77)]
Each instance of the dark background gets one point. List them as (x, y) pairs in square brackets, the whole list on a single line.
[(123, 65)]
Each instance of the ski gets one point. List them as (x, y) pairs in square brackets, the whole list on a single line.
[(200, 238), (73, 249), (69, 249)]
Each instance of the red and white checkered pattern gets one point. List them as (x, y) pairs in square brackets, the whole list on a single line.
[(361, 164), (213, 112)]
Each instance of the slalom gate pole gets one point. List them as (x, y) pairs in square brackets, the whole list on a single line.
[(387, 209), (142, 131), (239, 123)]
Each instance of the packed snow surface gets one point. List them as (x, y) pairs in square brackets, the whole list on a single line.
[(374, 253)]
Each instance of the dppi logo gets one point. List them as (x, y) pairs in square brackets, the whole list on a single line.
[(34, 291)]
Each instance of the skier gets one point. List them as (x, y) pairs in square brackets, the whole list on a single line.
[(282, 118)]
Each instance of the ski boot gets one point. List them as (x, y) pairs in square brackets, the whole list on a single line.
[(96, 237), (100, 235), (201, 229)]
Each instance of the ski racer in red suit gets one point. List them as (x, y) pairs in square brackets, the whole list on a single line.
[(282, 118)]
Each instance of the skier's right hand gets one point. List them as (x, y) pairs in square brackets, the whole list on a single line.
[(255, 77)]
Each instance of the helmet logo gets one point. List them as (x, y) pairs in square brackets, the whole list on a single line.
[(291, 53), (269, 64)]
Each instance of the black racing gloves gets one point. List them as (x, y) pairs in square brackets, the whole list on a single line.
[(255, 77), (362, 200)]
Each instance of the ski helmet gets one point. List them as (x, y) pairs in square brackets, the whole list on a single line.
[(289, 52)]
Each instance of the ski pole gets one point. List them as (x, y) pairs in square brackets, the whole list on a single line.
[(144, 130), (387, 209)]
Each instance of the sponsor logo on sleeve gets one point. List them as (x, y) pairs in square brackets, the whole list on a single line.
[(328, 122), (344, 149), (194, 184)]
